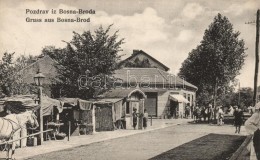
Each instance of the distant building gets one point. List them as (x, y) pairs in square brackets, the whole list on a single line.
[(166, 94)]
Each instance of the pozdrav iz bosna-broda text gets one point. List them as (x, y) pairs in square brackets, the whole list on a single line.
[(59, 13)]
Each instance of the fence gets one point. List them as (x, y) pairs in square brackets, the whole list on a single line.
[(11, 141)]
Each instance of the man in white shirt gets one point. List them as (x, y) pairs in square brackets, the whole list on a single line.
[(220, 115), (252, 126)]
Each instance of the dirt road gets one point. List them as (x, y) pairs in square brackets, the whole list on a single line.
[(140, 146)]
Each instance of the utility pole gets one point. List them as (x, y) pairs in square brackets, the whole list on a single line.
[(239, 94), (256, 57)]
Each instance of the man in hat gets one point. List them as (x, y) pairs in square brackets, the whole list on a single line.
[(252, 126), (135, 115)]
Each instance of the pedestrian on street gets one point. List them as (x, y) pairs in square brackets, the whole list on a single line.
[(220, 116), (210, 113), (187, 111), (252, 126), (135, 115), (231, 111), (238, 119), (203, 113), (250, 110), (145, 119), (197, 114)]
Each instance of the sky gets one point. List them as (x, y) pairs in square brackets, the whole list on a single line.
[(167, 29)]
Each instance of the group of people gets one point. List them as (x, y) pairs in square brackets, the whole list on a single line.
[(252, 124), (208, 113), (136, 115), (204, 112)]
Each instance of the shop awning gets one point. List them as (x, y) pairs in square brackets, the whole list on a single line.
[(109, 100), (76, 103), (21, 103), (178, 98)]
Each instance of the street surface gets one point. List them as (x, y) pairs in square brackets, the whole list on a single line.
[(140, 146)]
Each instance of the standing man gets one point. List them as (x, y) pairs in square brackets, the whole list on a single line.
[(145, 119), (134, 118), (238, 118), (220, 115), (187, 111), (252, 126), (250, 110), (210, 113)]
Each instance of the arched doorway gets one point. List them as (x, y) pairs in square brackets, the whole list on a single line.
[(135, 99)]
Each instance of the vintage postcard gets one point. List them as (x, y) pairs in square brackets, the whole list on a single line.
[(119, 79)]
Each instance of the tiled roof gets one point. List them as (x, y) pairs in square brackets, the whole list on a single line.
[(151, 75), (119, 92)]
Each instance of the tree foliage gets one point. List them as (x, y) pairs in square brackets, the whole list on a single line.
[(90, 55), (215, 63), (10, 81), (6, 72)]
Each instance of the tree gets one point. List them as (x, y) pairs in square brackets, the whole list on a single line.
[(18, 85), (52, 51), (243, 97), (23, 61), (87, 62), (215, 63), (6, 72)]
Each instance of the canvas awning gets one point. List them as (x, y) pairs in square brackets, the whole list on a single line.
[(76, 103), (84, 105), (22, 103), (109, 100), (178, 98)]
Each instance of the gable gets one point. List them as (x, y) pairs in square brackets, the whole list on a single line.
[(142, 56)]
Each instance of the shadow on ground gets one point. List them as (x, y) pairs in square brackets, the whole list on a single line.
[(209, 147)]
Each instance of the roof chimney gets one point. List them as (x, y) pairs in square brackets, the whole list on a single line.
[(135, 51)]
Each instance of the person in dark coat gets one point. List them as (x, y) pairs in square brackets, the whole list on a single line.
[(145, 119), (238, 119), (135, 115)]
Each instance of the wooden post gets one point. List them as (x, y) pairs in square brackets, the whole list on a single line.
[(23, 134), (34, 141), (141, 111), (69, 124), (41, 115), (256, 58), (93, 119), (151, 120), (215, 97)]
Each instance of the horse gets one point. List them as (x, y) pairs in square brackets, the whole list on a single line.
[(14, 122)]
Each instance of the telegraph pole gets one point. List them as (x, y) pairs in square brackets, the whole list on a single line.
[(256, 58), (239, 94)]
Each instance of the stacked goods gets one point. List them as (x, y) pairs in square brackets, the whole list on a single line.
[(86, 121), (86, 117), (104, 117)]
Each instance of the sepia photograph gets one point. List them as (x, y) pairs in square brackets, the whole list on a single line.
[(124, 80)]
